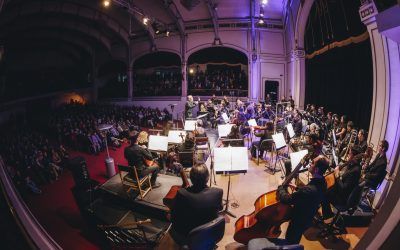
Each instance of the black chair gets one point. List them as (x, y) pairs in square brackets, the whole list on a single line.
[(337, 225), (266, 146), (206, 236), (233, 142), (186, 158)]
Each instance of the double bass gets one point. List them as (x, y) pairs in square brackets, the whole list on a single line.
[(268, 215)]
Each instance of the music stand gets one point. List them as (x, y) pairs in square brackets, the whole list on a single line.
[(224, 129), (227, 160), (176, 136), (158, 143), (280, 143), (190, 125), (290, 130)]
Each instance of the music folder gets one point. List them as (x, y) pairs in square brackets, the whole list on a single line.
[(224, 129), (176, 136), (296, 157), (279, 141), (252, 122), (190, 125), (225, 117), (290, 130), (228, 159), (158, 143)]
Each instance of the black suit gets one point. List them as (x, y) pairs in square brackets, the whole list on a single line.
[(189, 109), (342, 189), (297, 127), (306, 201), (135, 155), (376, 171), (194, 208)]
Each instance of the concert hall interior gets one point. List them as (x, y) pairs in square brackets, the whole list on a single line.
[(199, 124)]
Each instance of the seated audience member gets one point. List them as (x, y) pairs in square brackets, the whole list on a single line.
[(305, 200), (376, 171), (195, 205), (136, 156)]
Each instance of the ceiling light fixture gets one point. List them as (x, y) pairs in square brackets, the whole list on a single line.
[(264, 2), (261, 11), (145, 20), (261, 21), (106, 3), (167, 33)]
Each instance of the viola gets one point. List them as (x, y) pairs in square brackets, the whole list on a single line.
[(169, 198), (268, 215)]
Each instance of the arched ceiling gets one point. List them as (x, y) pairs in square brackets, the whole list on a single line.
[(125, 17)]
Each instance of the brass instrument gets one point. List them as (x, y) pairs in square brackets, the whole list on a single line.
[(353, 138)]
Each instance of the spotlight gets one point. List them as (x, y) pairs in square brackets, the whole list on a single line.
[(191, 71), (145, 20), (264, 2), (106, 3), (157, 31), (167, 33)]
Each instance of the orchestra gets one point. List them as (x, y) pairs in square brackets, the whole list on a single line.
[(313, 130)]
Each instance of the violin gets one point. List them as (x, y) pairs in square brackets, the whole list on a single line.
[(268, 215)]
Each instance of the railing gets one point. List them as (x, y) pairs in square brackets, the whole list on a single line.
[(35, 234), (221, 92)]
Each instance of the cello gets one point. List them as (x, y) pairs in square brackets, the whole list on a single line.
[(268, 215)]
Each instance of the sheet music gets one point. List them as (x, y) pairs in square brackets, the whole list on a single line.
[(335, 158), (296, 157), (231, 159), (279, 140), (290, 130), (158, 143), (252, 122), (174, 136), (334, 137), (225, 117), (224, 129), (190, 125)]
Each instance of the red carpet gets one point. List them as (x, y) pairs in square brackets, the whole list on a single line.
[(57, 211)]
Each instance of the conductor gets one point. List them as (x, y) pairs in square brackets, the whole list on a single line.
[(189, 106)]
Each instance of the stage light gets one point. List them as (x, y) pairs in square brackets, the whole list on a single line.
[(264, 2), (191, 71), (167, 33), (145, 20), (106, 3), (157, 31)]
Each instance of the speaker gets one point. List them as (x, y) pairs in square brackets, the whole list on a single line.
[(80, 171)]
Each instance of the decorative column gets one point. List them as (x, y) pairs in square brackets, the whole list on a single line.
[(184, 79), (130, 82), (298, 69), (254, 77)]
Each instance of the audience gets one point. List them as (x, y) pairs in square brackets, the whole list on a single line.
[(215, 80), (158, 84)]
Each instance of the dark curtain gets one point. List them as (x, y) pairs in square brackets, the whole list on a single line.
[(341, 81)]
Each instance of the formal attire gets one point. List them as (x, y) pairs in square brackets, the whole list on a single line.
[(305, 201), (342, 189), (189, 109), (375, 172), (194, 207), (136, 156)]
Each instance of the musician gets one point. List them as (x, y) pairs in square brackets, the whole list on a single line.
[(234, 133), (291, 101), (266, 133), (196, 205), (135, 155), (189, 106), (305, 200), (329, 121), (314, 147), (376, 171), (297, 123), (361, 143), (341, 129), (226, 101), (346, 140), (345, 182)]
